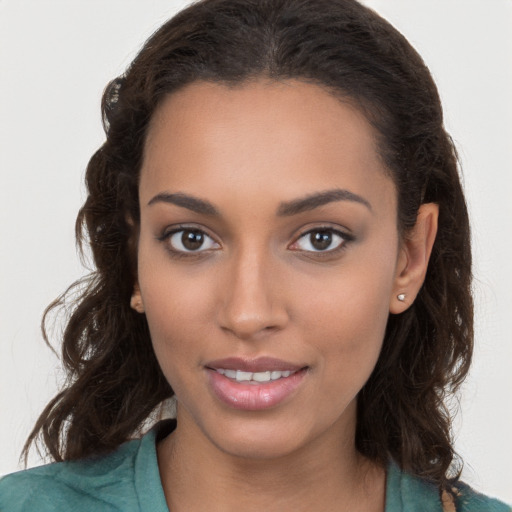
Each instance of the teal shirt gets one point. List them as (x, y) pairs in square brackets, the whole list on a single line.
[(128, 481)]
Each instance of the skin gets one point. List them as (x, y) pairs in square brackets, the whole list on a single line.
[(257, 287)]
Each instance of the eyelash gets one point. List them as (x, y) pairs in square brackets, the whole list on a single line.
[(346, 239), (182, 254)]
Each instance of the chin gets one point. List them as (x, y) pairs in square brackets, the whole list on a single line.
[(261, 443), (266, 435)]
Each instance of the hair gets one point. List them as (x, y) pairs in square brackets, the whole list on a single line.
[(114, 381)]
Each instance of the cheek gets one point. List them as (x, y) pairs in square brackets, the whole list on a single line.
[(349, 341), (349, 328), (176, 307), (353, 299), (347, 315), (174, 325)]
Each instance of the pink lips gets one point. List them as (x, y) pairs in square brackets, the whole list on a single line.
[(251, 395)]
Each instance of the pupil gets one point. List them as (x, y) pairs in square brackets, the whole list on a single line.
[(321, 240), (192, 240)]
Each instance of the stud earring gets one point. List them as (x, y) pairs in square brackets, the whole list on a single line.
[(401, 297)]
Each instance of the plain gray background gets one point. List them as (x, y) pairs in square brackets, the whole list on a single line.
[(55, 59)]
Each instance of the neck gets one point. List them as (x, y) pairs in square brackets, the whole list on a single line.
[(326, 474)]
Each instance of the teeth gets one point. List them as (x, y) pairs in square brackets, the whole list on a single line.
[(241, 376), (261, 376)]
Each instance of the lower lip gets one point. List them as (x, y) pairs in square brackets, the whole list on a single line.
[(254, 396)]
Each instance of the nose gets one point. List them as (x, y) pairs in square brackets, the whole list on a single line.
[(252, 302)]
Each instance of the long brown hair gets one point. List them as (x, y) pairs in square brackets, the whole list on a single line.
[(114, 381)]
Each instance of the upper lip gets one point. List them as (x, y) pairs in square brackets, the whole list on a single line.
[(260, 364)]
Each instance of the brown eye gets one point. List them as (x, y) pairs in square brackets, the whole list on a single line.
[(321, 240), (191, 240)]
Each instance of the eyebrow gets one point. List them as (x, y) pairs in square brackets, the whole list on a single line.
[(285, 209), (186, 201), (312, 201)]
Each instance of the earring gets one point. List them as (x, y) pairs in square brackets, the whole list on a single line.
[(401, 297)]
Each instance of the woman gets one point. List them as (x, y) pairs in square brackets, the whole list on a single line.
[(282, 244)]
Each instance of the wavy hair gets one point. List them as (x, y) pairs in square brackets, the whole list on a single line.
[(113, 379)]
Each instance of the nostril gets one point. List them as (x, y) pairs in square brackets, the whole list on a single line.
[(251, 304)]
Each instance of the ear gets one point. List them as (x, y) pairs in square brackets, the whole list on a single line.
[(136, 300), (413, 258)]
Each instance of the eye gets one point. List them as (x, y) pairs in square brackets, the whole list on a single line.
[(321, 240), (189, 240)]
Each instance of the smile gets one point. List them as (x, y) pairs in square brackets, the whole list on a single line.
[(254, 385), (254, 377)]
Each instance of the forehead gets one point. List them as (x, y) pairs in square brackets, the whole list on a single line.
[(279, 138)]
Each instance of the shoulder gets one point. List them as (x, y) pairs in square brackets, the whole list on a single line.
[(127, 480), (409, 493), (468, 500), (90, 484)]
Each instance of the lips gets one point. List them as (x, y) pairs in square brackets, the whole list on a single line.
[(260, 364), (254, 377), (254, 384)]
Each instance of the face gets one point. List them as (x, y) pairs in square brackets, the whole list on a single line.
[(267, 261)]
